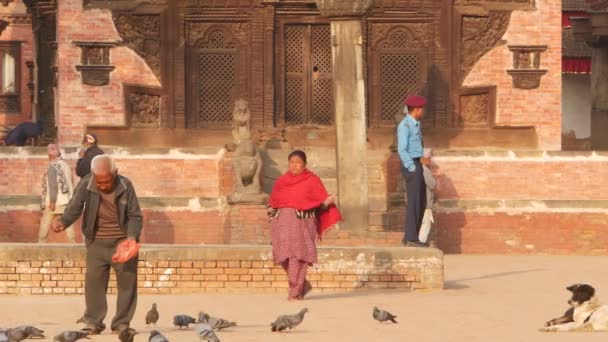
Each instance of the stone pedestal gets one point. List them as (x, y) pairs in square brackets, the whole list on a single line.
[(349, 101)]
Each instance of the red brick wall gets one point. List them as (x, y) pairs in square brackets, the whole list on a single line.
[(80, 105), (61, 270), (517, 107), (20, 32), (503, 178), (164, 176)]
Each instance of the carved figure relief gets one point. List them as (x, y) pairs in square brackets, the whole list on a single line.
[(144, 110), (247, 162), (481, 34), (141, 33), (474, 109)]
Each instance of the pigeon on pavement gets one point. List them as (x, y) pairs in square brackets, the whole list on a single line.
[(70, 336), (288, 321), (383, 316), (155, 336), (215, 322), (23, 332), (180, 321), (205, 331), (127, 335), (152, 315)]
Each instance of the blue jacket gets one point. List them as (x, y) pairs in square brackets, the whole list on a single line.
[(409, 142)]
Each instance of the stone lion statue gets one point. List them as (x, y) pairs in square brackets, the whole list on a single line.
[(247, 162)]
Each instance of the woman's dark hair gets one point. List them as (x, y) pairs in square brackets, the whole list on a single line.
[(298, 153)]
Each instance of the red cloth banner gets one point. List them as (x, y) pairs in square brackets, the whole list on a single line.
[(567, 23), (576, 65)]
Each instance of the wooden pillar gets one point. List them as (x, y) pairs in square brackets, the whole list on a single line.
[(599, 98), (349, 102)]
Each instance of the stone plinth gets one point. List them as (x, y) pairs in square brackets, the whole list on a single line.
[(60, 269)]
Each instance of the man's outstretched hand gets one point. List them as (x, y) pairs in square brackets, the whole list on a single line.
[(56, 225)]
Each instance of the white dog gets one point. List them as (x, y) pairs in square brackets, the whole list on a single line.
[(586, 313)]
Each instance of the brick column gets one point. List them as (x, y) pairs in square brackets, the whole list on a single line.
[(349, 102)]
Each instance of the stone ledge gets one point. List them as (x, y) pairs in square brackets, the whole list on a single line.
[(523, 205), (60, 268)]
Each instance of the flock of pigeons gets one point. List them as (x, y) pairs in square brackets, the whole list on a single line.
[(205, 327)]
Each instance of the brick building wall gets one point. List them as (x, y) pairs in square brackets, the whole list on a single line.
[(539, 107), (19, 29), (489, 201), (79, 105), (170, 270)]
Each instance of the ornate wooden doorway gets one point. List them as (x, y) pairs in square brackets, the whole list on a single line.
[(307, 89)]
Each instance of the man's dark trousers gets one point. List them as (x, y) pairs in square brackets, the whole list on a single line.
[(416, 201), (99, 261)]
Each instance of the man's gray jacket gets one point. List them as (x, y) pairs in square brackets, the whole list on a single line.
[(86, 197)]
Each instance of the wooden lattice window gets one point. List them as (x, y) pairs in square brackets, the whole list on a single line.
[(308, 82), (399, 76), (10, 80), (216, 68), (398, 68)]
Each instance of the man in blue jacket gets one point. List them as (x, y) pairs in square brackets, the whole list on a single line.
[(410, 148)]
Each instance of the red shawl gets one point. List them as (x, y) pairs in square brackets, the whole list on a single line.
[(303, 192)]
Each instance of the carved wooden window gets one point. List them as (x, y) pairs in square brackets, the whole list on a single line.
[(10, 70), (216, 68), (398, 68), (308, 75)]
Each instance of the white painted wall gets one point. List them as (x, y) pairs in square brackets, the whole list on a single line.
[(576, 104)]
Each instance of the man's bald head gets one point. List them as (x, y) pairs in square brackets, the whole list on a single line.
[(104, 172)]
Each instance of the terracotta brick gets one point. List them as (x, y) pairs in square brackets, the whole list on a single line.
[(234, 264), (198, 264), (212, 271), (239, 284), (256, 284), (211, 264), (236, 271), (48, 270), (162, 264), (188, 271), (257, 264), (186, 264), (185, 277), (222, 264), (259, 271), (190, 284), (279, 284), (212, 284), (28, 283)]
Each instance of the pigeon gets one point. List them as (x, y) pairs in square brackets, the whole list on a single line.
[(23, 332), (127, 335), (180, 321), (4, 336), (155, 336), (214, 322), (205, 331), (288, 321), (152, 316), (71, 336), (383, 316)]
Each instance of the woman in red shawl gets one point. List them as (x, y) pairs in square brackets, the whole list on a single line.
[(300, 210)]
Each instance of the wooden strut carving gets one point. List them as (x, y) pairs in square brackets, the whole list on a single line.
[(141, 33), (481, 34)]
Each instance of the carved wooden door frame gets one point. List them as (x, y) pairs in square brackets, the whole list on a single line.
[(282, 21)]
